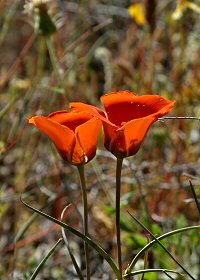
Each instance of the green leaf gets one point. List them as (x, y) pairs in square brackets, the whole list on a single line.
[(156, 229), (109, 209), (137, 240), (42, 263), (25, 227), (88, 240), (158, 241), (29, 222), (124, 225), (153, 242)]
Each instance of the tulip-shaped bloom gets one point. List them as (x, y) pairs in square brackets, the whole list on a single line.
[(75, 134), (127, 119)]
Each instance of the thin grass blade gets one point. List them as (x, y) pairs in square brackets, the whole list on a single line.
[(29, 222), (144, 271), (195, 196), (42, 263), (165, 249), (149, 245), (88, 240), (78, 271)]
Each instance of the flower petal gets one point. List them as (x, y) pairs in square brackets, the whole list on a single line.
[(124, 106), (86, 140), (135, 132), (94, 111), (80, 106), (70, 119), (58, 116), (63, 137), (126, 140)]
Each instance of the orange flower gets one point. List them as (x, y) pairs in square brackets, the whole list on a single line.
[(74, 134), (127, 119)]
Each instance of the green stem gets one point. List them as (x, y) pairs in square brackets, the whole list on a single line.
[(8, 20), (118, 190), (41, 57), (85, 218), (54, 60)]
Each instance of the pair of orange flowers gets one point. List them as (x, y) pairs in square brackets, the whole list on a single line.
[(126, 120)]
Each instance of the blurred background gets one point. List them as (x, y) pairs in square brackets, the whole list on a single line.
[(54, 52)]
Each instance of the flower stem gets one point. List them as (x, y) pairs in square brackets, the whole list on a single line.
[(118, 190), (85, 218), (54, 61)]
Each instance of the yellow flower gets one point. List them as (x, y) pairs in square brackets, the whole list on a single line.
[(181, 6), (137, 12)]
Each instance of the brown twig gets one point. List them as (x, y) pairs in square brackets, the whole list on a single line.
[(2, 5), (14, 142), (18, 61), (30, 239), (87, 34)]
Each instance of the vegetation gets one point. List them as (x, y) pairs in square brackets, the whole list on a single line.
[(57, 52)]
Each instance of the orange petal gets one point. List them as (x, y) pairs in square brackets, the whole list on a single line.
[(94, 111), (135, 132), (126, 141), (70, 119), (121, 96), (122, 107), (62, 136), (86, 140), (80, 106), (58, 116)]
